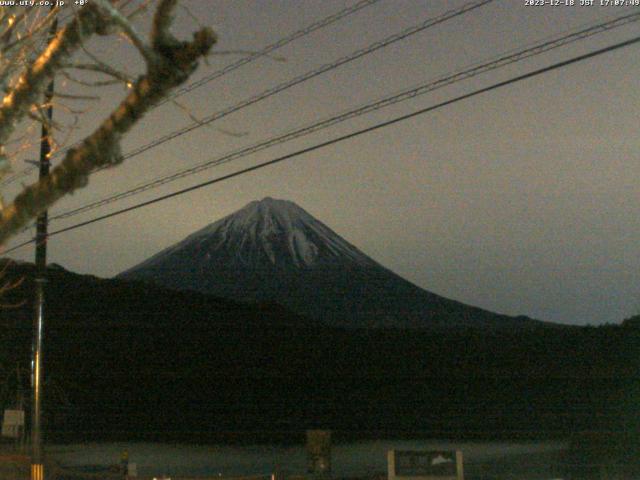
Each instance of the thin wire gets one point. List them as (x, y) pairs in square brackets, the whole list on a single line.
[(23, 244), (301, 78), (367, 108), (324, 22), (270, 48), (378, 126), (283, 86), (309, 75)]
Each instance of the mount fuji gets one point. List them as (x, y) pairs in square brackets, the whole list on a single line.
[(273, 251)]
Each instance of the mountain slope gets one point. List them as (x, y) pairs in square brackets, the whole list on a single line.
[(273, 250), (131, 361)]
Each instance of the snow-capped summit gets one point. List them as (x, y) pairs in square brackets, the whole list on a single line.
[(277, 231), (274, 251)]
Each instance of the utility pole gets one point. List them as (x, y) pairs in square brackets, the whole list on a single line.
[(37, 377)]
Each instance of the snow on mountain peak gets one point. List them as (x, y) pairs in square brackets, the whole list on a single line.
[(267, 223), (272, 230)]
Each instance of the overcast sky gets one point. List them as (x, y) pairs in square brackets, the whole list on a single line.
[(523, 200)]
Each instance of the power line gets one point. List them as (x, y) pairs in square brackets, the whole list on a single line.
[(324, 22), (20, 245), (367, 108), (431, 22), (348, 136), (295, 81), (270, 48)]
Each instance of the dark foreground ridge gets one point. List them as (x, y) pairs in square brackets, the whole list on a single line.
[(128, 360)]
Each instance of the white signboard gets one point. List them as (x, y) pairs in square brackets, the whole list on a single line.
[(424, 465), (12, 423)]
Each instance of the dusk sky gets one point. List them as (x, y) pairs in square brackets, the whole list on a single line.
[(523, 200)]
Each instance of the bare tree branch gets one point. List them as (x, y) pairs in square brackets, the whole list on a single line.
[(171, 64), (35, 78), (9, 285), (86, 83), (120, 77), (128, 29)]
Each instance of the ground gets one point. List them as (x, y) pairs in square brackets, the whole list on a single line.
[(13, 466)]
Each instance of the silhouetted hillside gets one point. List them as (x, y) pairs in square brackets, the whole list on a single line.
[(142, 362)]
